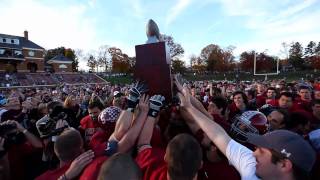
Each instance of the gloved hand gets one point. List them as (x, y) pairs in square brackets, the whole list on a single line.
[(134, 94), (155, 104)]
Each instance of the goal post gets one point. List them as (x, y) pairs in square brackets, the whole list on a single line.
[(263, 74)]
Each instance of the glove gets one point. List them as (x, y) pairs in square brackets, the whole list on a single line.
[(155, 104), (135, 93)]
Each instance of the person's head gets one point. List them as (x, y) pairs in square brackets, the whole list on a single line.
[(271, 93), (113, 168), (118, 99), (317, 93), (261, 88), (183, 157), (68, 145), (69, 102), (305, 93), (107, 119), (94, 108), (282, 154), (217, 105), (316, 107), (285, 100), (240, 98), (299, 122), (251, 94), (277, 119)]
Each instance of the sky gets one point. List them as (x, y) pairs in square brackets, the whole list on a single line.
[(261, 25)]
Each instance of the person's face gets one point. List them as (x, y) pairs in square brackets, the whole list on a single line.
[(275, 120), (265, 169), (94, 113), (316, 109), (260, 88), (238, 100), (213, 109), (271, 94), (305, 95), (316, 94), (285, 102)]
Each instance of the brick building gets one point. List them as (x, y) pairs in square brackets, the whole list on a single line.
[(19, 54), (60, 63)]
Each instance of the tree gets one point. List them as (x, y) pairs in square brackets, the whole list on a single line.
[(317, 50), (175, 49), (104, 57), (91, 62), (295, 55), (121, 62), (216, 58), (310, 50), (178, 66), (247, 60)]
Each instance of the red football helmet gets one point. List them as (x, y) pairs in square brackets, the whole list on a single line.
[(248, 122)]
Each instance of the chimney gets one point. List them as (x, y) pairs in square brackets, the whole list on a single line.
[(26, 34)]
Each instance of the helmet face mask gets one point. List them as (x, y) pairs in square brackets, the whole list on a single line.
[(248, 122)]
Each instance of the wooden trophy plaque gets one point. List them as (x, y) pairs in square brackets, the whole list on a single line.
[(153, 66)]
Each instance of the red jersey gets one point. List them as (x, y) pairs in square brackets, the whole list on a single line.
[(16, 156), (302, 105), (92, 170), (89, 126), (152, 164), (54, 174)]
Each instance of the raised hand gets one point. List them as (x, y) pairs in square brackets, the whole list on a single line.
[(134, 94), (144, 103), (79, 164), (155, 104)]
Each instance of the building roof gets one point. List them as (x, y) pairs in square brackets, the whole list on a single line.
[(23, 43), (60, 59)]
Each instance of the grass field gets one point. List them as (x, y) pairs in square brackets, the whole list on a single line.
[(289, 76)]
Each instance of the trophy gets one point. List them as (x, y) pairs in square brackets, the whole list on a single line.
[(153, 63)]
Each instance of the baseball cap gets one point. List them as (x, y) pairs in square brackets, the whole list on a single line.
[(289, 144), (110, 114), (117, 94)]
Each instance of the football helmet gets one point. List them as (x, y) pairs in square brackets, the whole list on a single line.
[(248, 122)]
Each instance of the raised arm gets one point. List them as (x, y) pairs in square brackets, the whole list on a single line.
[(129, 139), (214, 131), (155, 104)]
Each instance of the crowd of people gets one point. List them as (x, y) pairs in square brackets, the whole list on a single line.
[(211, 130)]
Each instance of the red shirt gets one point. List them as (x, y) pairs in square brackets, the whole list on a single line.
[(302, 105), (54, 174), (16, 156), (260, 100), (92, 170), (89, 126), (152, 164)]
